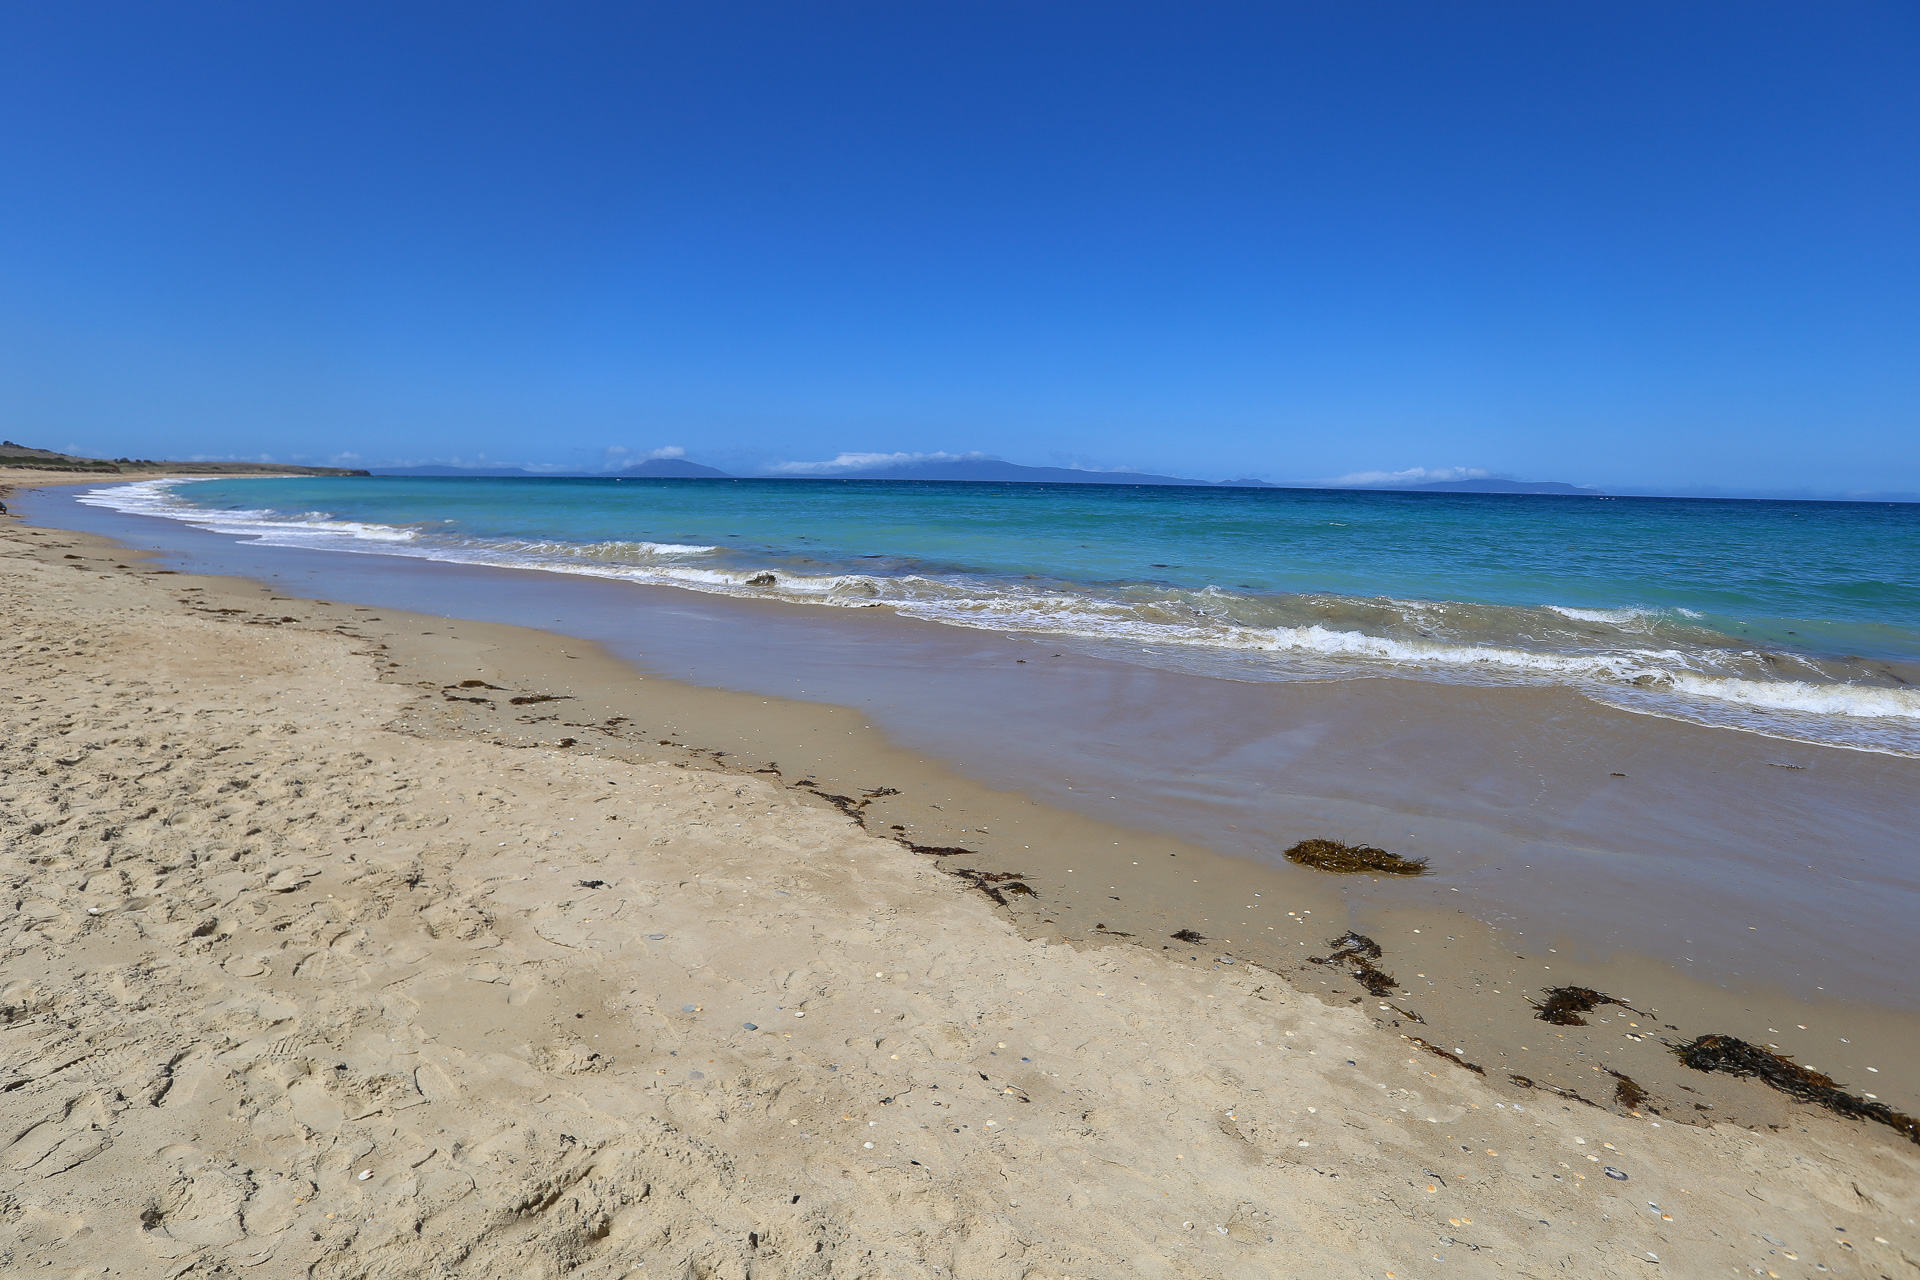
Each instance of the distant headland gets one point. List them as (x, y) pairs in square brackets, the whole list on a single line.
[(24, 458)]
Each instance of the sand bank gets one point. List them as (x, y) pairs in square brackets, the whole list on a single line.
[(313, 968)]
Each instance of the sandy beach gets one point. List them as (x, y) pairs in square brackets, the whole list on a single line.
[(330, 954)]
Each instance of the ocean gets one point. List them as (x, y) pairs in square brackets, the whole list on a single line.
[(1799, 620)]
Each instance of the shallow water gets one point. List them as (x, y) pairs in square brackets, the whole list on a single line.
[(1798, 620)]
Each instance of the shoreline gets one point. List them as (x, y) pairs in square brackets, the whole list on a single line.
[(1572, 825), (1796, 680), (567, 677), (1484, 978)]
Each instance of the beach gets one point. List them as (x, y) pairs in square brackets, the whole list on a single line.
[(329, 957)]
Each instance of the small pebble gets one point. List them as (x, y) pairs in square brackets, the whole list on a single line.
[(365, 1174), (656, 936), (1615, 1174), (751, 1026)]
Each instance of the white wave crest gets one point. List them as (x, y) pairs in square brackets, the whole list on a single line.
[(1851, 700), (1614, 616), (612, 551), (156, 498)]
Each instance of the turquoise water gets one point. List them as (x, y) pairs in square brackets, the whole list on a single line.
[(1796, 619)]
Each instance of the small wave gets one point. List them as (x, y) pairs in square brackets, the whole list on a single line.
[(1614, 616), (613, 551), (1857, 701), (157, 498)]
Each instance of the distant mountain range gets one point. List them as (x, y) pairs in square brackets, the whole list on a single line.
[(986, 470), (993, 470), (651, 469)]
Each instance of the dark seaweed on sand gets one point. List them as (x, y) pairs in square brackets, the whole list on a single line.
[(1353, 859), (1188, 935), (1564, 1005), (1374, 980), (1527, 1082), (931, 850), (845, 804), (1351, 944), (1627, 1091), (1454, 1058), (1736, 1057), (995, 884), (1355, 952), (856, 809)]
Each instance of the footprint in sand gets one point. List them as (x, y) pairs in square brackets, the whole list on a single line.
[(78, 1133)]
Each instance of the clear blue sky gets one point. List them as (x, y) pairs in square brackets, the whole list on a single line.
[(1614, 243)]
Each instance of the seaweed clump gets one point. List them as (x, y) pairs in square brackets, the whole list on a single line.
[(1356, 952), (1454, 1058), (1564, 1005), (1353, 859), (1188, 935), (1736, 1057), (1627, 1091), (995, 884)]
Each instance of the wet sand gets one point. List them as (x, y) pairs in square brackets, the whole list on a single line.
[(1094, 882)]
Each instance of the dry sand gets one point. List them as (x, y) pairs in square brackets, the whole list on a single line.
[(296, 983)]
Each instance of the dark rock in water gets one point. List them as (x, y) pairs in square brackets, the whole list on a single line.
[(762, 580)]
